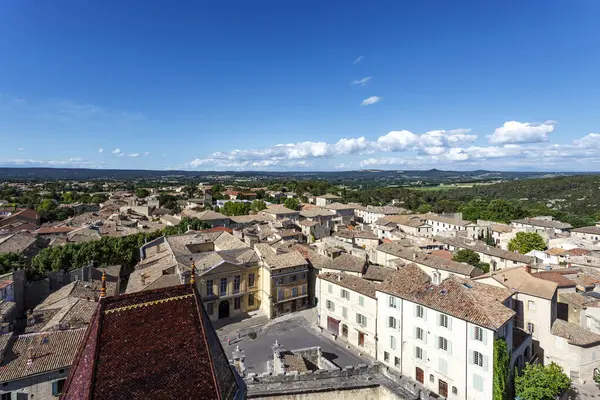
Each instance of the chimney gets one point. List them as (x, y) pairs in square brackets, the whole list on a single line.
[(143, 278), (339, 278), (414, 256), (30, 356), (528, 269)]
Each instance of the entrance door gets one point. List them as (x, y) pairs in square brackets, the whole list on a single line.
[(420, 375), (345, 331), (333, 325), (361, 339), (224, 309), (443, 388), (293, 305)]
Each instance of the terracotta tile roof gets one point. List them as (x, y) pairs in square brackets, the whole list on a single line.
[(578, 252), (396, 249), (217, 229), (593, 230), (579, 299), (349, 263), (442, 253), (519, 280), (575, 334), (278, 209), (275, 261), (317, 212), (17, 242), (47, 230), (472, 301), (556, 251), (376, 273), (481, 247), (446, 220), (560, 280), (329, 197), (351, 282), (157, 343), (315, 259), (543, 223), (501, 228), (51, 351)]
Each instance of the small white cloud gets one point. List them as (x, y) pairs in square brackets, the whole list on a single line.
[(100, 150), (361, 82), (21, 149), (121, 154), (371, 100), (359, 59), (117, 151), (134, 155), (522, 132), (147, 153)]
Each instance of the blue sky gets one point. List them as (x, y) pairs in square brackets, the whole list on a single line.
[(283, 85)]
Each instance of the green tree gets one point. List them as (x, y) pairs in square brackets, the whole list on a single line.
[(46, 205), (292, 203), (501, 369), (424, 208), (142, 193), (467, 256), (539, 382), (11, 262), (69, 197), (524, 242), (258, 205)]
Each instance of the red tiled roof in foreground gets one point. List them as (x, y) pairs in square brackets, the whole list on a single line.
[(152, 344), (217, 229)]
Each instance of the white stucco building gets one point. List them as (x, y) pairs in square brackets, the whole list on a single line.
[(442, 335), (348, 310)]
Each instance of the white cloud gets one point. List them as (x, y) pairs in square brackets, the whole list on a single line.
[(430, 143), (522, 132), (147, 153), (591, 140), (359, 59), (134, 154), (100, 150), (21, 149), (77, 162), (117, 151), (361, 82), (371, 100), (397, 141)]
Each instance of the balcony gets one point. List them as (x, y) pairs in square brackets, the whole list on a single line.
[(522, 349)]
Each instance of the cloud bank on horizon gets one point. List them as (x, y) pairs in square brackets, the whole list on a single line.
[(513, 145)]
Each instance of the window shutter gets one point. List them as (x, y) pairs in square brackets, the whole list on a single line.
[(415, 310), (415, 332), (436, 344), (450, 323), (415, 351), (485, 363), (424, 313), (424, 355), (484, 336), (449, 347), (471, 358), (55, 388), (424, 335), (472, 333)]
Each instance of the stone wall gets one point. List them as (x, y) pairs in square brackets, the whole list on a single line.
[(354, 382)]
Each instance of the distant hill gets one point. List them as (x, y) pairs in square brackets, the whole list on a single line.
[(11, 173)]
